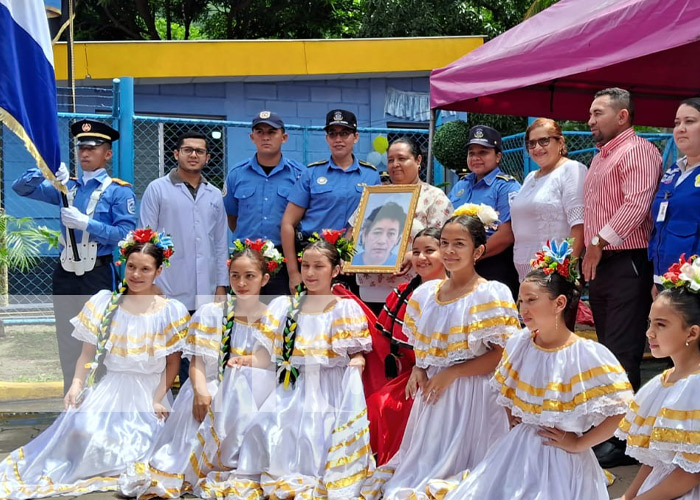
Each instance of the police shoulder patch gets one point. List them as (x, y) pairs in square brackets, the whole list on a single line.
[(120, 182), (317, 163), (506, 177), (366, 164)]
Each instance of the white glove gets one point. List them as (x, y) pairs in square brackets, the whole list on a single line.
[(62, 175), (73, 218)]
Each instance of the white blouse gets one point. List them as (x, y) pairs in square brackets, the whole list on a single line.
[(546, 208)]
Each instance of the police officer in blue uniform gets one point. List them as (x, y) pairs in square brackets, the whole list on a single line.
[(256, 190), (328, 191), (488, 185), (102, 211)]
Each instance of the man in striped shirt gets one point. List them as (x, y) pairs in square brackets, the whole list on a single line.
[(618, 192)]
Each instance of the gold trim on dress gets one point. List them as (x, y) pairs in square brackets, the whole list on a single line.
[(552, 386), (438, 287), (553, 405)]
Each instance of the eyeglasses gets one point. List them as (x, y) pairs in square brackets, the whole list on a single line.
[(345, 133), (544, 142), (186, 150)]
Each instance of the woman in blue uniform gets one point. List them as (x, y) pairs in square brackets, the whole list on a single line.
[(675, 208), (488, 185), (328, 191)]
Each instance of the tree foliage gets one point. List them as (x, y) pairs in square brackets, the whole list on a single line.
[(281, 19), (394, 18)]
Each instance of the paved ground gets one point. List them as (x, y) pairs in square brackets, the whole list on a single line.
[(22, 421)]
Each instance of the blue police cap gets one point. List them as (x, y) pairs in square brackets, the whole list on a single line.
[(341, 117), (269, 118), (92, 133), (485, 136)]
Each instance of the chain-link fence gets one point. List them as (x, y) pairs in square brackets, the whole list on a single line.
[(155, 139), (581, 147)]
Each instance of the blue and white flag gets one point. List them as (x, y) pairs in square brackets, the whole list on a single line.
[(28, 82)]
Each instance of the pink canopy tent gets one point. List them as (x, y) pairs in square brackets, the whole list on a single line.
[(552, 64)]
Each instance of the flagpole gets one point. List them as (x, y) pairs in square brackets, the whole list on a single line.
[(73, 107)]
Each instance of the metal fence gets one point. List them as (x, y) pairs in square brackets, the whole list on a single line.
[(145, 152)]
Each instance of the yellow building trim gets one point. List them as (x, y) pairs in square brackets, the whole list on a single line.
[(224, 59)]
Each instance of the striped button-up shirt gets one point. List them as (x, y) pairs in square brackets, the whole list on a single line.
[(618, 192)]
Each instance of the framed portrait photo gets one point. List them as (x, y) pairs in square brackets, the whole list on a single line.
[(380, 236)]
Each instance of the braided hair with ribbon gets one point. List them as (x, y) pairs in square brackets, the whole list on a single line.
[(337, 249), (270, 260), (139, 241)]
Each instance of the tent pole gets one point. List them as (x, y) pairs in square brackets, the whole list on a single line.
[(431, 137)]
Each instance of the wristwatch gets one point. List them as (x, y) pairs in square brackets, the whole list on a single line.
[(595, 241)]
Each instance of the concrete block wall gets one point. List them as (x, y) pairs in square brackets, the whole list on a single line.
[(298, 102)]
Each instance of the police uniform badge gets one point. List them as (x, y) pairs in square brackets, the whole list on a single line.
[(460, 193), (131, 206), (321, 181), (479, 133), (86, 127), (225, 189), (264, 115), (338, 116), (697, 180)]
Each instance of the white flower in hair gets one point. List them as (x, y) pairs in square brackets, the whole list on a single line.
[(271, 252), (690, 272), (486, 214)]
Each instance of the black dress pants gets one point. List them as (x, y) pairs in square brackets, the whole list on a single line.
[(620, 297)]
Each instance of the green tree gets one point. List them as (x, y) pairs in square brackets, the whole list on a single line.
[(392, 18)]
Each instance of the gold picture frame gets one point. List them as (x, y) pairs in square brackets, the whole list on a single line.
[(389, 211)]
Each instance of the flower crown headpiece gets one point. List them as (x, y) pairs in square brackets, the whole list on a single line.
[(335, 237), (147, 235), (273, 258), (683, 274), (555, 258), (486, 214)]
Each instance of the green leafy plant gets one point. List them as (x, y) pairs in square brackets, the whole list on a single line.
[(21, 240)]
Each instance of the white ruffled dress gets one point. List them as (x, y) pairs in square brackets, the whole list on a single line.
[(661, 428), (454, 434), (87, 448), (572, 388), (310, 440), (163, 475)]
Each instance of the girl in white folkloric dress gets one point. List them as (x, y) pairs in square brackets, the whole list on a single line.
[(220, 333), (563, 394), (135, 335), (457, 327), (311, 437), (662, 424)]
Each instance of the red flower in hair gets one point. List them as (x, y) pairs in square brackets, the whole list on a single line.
[(332, 236), (143, 235), (674, 272), (564, 268), (167, 253), (547, 270), (271, 266), (256, 245)]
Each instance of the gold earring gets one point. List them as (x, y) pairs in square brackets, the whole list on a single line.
[(687, 344)]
